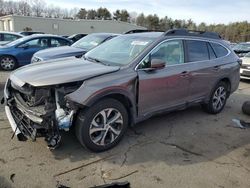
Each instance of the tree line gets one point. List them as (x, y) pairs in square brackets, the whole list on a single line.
[(234, 32)]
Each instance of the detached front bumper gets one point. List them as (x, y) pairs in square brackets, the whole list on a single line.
[(21, 124), (23, 121), (13, 125)]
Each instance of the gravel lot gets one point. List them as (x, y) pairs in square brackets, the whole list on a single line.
[(182, 149)]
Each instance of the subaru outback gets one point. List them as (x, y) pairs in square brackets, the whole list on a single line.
[(120, 83)]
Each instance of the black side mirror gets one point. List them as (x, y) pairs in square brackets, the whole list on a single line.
[(24, 46), (157, 64)]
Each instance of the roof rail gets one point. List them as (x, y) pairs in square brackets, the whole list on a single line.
[(140, 31), (185, 32)]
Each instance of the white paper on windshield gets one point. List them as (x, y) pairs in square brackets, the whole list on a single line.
[(141, 43), (94, 43)]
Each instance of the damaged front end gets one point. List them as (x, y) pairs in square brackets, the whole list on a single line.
[(39, 111)]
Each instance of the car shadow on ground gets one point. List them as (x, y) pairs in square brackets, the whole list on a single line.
[(182, 137)]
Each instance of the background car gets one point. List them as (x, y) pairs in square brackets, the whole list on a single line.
[(27, 33), (245, 67), (20, 52), (6, 37), (242, 49), (77, 37), (77, 49)]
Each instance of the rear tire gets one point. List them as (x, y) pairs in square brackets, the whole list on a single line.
[(102, 126), (8, 63), (218, 99)]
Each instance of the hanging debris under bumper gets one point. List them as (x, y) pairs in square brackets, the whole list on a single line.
[(38, 112)]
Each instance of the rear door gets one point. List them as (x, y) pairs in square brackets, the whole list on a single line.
[(57, 42), (167, 87), (203, 70)]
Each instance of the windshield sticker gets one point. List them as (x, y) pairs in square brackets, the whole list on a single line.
[(94, 43), (141, 43)]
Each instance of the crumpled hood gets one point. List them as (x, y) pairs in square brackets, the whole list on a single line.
[(59, 52), (58, 72)]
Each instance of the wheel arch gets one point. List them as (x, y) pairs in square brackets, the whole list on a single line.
[(228, 82), (121, 96)]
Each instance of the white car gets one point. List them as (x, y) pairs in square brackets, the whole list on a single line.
[(245, 67), (7, 37)]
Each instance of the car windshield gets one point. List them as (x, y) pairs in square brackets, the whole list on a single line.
[(89, 42), (13, 43), (120, 50), (244, 47)]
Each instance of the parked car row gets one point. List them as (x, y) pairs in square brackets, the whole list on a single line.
[(241, 49), (119, 83), (23, 51), (20, 51), (77, 49), (245, 67)]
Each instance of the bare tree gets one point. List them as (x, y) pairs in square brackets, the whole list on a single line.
[(50, 11), (38, 7), (73, 12), (24, 8)]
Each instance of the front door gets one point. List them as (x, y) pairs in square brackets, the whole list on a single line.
[(163, 88), (34, 45)]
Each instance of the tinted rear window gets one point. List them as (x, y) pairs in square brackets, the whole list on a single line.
[(219, 50), (197, 50)]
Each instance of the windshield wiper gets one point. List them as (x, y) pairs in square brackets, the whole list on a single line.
[(95, 60)]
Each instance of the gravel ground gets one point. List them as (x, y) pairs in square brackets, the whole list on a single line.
[(187, 148)]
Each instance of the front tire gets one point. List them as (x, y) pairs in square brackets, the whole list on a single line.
[(218, 99), (102, 126), (8, 63)]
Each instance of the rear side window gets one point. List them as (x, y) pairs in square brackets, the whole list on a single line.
[(56, 42), (197, 51), (219, 50)]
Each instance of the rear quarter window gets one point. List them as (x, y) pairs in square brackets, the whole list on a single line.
[(219, 50)]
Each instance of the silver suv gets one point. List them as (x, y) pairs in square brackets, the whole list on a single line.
[(119, 83)]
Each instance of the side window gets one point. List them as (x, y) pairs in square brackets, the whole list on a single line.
[(171, 52), (38, 43), (211, 52), (8, 37), (220, 51), (197, 50), (33, 43), (55, 42)]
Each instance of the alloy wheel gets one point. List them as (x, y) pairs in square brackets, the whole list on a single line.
[(219, 98), (106, 126)]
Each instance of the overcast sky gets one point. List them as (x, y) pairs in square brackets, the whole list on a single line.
[(209, 11)]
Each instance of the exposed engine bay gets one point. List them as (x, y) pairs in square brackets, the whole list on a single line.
[(41, 111)]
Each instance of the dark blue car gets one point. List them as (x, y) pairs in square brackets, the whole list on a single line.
[(77, 49), (20, 52)]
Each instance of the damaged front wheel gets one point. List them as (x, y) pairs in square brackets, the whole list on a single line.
[(102, 126)]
